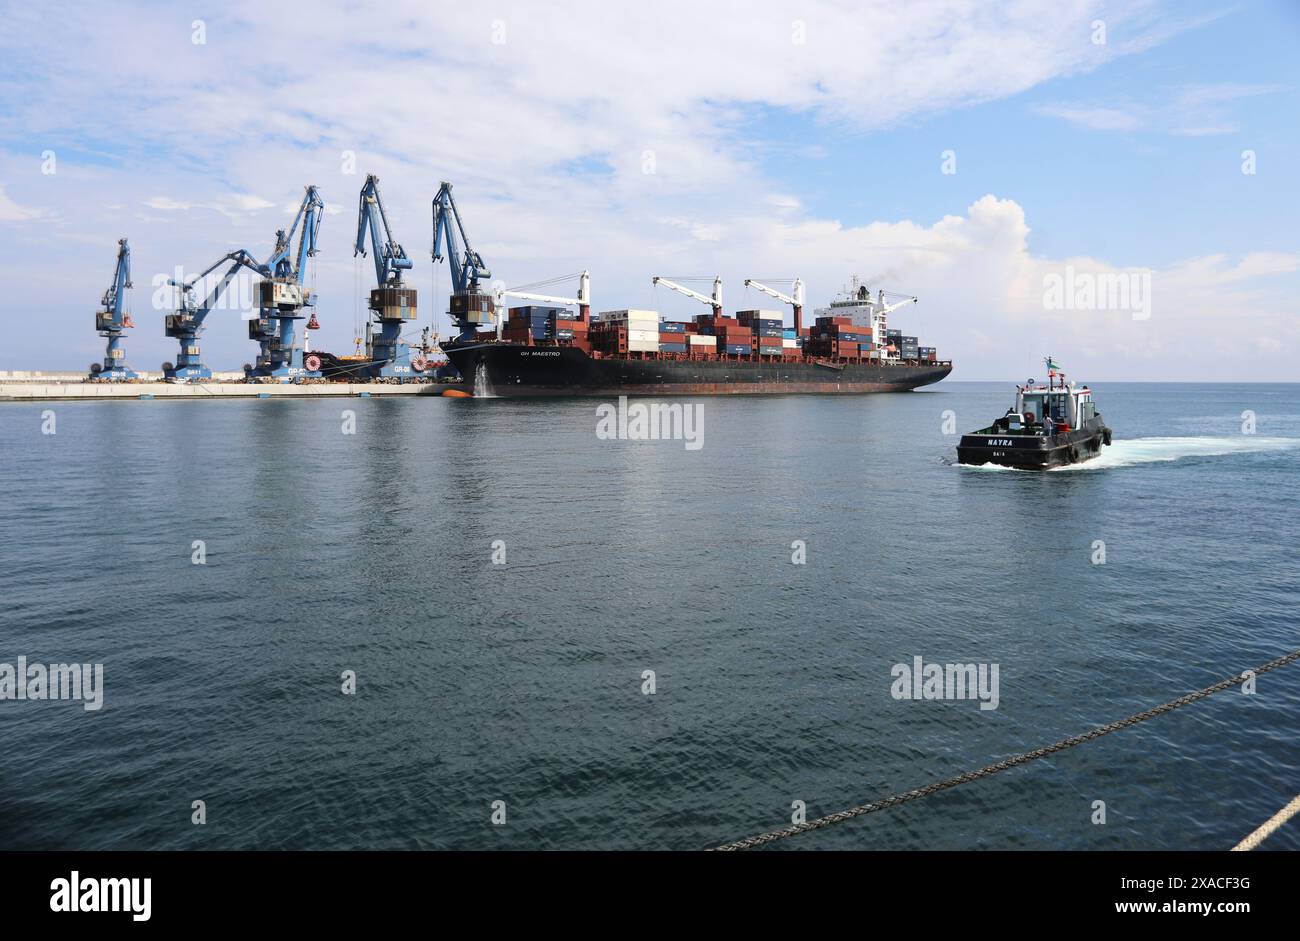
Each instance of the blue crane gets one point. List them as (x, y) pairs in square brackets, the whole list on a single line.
[(186, 323), (282, 297), (112, 319), (470, 306), (392, 302)]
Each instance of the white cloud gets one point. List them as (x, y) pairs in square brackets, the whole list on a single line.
[(10, 211), (244, 202), (677, 88), (166, 204), (1097, 119), (1185, 110)]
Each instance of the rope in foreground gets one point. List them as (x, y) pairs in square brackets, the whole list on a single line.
[(1269, 827), (1024, 758)]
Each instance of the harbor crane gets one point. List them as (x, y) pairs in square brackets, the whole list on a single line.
[(470, 305), (281, 298), (112, 319), (794, 299), (582, 301), (715, 301), (186, 324), (392, 302)]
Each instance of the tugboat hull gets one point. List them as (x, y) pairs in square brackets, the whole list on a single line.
[(1032, 452)]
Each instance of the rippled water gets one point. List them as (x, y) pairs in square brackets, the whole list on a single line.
[(522, 682)]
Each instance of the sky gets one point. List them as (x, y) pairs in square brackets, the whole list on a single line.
[(1113, 184)]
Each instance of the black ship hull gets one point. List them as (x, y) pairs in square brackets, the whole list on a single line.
[(1030, 452), (513, 370)]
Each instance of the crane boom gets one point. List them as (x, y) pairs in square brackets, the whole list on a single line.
[(795, 301), (186, 324), (467, 267), (889, 308), (715, 301), (582, 301), (389, 256)]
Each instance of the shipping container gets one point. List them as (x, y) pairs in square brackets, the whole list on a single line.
[(629, 314), (672, 347), (669, 326), (736, 349)]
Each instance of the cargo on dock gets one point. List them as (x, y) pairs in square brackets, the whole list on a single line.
[(38, 390)]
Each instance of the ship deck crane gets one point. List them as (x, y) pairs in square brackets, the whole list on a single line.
[(470, 305), (186, 323), (883, 310), (392, 302), (880, 310), (794, 299), (582, 301), (112, 319), (715, 301), (282, 297)]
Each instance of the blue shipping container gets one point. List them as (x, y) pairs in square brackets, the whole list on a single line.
[(672, 347), (669, 326), (737, 349)]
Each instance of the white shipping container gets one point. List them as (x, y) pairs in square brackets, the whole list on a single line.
[(634, 335), (696, 339), (642, 346), (629, 315), (790, 344), (762, 314)]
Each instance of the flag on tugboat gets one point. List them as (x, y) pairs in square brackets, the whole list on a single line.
[(1052, 367)]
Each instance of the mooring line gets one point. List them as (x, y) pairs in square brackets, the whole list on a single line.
[(1269, 826), (1023, 758)]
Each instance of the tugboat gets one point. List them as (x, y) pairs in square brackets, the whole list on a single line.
[(1049, 426)]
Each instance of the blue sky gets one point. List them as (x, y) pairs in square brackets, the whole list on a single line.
[(785, 139)]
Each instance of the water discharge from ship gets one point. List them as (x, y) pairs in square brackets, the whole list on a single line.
[(1137, 451), (481, 388)]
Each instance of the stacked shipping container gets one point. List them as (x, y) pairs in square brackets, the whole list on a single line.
[(750, 333), (626, 331)]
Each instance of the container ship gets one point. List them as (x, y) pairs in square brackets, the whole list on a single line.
[(553, 351)]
